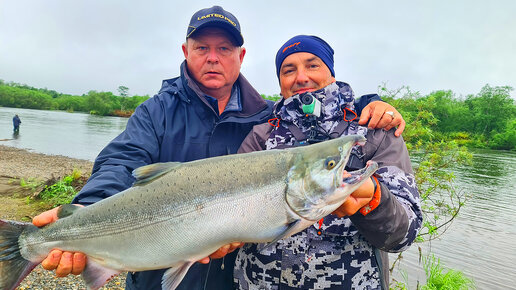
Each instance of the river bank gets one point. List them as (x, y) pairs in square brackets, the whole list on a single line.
[(33, 168), (17, 164)]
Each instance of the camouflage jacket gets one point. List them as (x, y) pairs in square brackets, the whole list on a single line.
[(348, 252)]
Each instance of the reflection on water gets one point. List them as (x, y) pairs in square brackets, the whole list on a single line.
[(76, 135), (481, 241), (488, 167), (99, 123)]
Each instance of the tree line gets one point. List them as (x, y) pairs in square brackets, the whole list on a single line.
[(98, 103), (484, 120)]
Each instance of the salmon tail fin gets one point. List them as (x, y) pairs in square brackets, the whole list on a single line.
[(13, 267)]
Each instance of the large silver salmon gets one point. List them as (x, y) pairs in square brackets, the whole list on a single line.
[(178, 213)]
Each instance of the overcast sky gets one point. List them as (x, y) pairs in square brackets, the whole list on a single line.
[(77, 46)]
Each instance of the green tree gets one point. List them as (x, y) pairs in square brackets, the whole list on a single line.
[(102, 103), (273, 98), (432, 158), (72, 103), (452, 114), (491, 110), (433, 155), (130, 103), (123, 91), (507, 139)]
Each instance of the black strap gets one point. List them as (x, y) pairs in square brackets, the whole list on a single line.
[(378, 259), (298, 134), (341, 127)]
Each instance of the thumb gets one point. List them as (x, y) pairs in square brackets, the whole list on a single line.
[(365, 116), (400, 129), (46, 217)]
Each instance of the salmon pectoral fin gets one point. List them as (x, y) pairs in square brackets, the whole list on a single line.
[(293, 228), (96, 275), (174, 276)]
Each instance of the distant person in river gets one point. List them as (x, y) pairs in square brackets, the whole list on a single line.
[(16, 124), (207, 111)]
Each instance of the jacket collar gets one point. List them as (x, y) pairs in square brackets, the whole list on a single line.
[(333, 98)]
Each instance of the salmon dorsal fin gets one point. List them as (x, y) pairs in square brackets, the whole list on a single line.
[(67, 210), (147, 173)]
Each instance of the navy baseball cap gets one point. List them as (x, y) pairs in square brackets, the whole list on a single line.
[(216, 16)]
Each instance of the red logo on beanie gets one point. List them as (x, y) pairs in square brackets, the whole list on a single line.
[(292, 45)]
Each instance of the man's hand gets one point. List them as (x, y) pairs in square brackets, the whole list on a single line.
[(63, 262), (358, 199), (377, 113), (221, 252)]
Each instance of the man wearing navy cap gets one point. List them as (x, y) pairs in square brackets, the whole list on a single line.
[(207, 111)]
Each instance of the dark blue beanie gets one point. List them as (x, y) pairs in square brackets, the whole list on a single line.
[(306, 43)]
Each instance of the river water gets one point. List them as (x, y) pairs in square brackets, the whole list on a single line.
[(75, 135), (481, 242)]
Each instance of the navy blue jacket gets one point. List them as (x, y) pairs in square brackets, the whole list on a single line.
[(16, 121), (176, 125)]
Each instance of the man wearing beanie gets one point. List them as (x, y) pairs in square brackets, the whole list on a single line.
[(348, 249), (206, 111)]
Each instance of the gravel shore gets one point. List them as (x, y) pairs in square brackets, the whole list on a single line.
[(42, 279), (20, 163), (16, 164)]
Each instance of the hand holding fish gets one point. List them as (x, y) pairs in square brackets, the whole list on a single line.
[(64, 263), (358, 199), (221, 252)]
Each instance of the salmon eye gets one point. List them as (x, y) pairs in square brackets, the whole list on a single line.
[(330, 163)]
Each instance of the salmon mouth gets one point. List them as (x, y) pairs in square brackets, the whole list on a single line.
[(360, 174)]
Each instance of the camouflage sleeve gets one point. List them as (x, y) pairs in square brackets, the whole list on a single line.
[(395, 223), (255, 140)]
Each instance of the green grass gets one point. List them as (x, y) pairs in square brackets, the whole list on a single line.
[(438, 278), (62, 191), (30, 183)]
